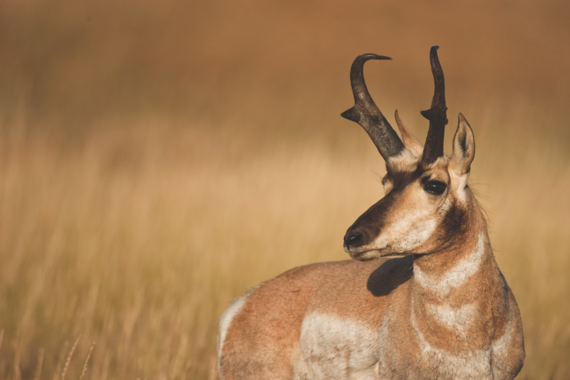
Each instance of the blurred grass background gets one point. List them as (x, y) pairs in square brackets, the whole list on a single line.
[(157, 159)]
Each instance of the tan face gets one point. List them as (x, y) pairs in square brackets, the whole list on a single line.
[(421, 206)]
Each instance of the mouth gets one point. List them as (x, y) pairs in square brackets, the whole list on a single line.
[(364, 254)]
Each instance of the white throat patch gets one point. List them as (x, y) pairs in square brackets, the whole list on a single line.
[(456, 276)]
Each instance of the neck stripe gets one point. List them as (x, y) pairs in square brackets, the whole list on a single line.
[(457, 275)]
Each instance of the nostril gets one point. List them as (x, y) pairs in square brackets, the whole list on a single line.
[(353, 239)]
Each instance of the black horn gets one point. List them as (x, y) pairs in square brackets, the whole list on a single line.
[(437, 114), (366, 113)]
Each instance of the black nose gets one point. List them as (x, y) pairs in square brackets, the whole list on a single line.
[(352, 238)]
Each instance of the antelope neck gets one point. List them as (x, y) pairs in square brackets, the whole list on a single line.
[(442, 273), (463, 260)]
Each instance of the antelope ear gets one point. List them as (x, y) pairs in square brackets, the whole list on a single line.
[(408, 139), (463, 147)]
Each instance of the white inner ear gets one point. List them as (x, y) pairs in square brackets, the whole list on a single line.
[(463, 148)]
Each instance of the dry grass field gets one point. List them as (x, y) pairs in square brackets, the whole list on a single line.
[(158, 159)]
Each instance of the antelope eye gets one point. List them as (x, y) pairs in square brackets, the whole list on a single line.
[(435, 187)]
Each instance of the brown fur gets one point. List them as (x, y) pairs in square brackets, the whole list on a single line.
[(443, 311), (263, 339)]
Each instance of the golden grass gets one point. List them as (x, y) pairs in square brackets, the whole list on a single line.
[(134, 243), (159, 159)]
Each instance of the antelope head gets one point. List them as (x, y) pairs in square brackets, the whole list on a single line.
[(426, 194)]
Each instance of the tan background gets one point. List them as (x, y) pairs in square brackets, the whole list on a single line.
[(158, 159)]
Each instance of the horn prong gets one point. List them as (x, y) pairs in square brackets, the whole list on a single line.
[(437, 114), (351, 114)]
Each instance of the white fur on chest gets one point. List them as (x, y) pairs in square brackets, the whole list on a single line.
[(335, 348)]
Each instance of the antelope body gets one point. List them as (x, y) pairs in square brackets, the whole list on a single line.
[(442, 310)]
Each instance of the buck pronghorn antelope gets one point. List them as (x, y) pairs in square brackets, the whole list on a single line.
[(442, 310)]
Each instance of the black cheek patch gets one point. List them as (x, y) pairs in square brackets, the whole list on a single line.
[(453, 225)]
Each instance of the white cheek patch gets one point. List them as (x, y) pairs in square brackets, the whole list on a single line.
[(411, 230), (407, 233), (336, 348), (226, 321), (457, 275)]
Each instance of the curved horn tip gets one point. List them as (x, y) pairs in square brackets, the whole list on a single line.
[(368, 56), (433, 52), (366, 113)]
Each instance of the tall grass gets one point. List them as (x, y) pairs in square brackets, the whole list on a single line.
[(134, 243), (159, 159)]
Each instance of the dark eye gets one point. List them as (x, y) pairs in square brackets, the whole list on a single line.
[(435, 187)]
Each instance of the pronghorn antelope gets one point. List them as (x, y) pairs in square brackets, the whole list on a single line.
[(442, 310)]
